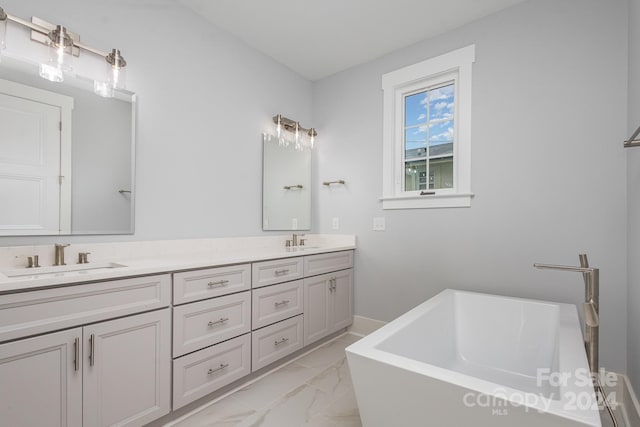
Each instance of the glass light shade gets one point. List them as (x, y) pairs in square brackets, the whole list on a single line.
[(51, 72), (3, 30), (103, 89), (116, 64), (58, 64), (116, 77)]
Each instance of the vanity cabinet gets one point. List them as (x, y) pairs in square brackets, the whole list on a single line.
[(328, 304), (126, 378), (99, 374), (211, 330), (278, 317), (126, 352), (40, 382)]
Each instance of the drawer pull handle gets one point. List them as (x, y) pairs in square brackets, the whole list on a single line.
[(282, 341), (219, 368), (218, 284), (92, 350), (332, 284), (281, 272), (283, 302), (76, 354), (217, 322)]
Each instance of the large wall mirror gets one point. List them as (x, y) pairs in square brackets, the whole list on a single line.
[(286, 185), (66, 155)]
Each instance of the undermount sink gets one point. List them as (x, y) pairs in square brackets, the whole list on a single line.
[(62, 270), (300, 248)]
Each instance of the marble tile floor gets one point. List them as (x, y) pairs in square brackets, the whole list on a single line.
[(314, 390)]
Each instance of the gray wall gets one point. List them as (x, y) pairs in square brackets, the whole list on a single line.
[(204, 100), (548, 167), (633, 199)]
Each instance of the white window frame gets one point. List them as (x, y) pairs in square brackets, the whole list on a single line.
[(456, 66)]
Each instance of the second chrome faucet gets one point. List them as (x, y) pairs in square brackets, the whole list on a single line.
[(58, 258)]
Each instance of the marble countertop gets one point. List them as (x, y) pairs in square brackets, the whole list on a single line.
[(213, 253)]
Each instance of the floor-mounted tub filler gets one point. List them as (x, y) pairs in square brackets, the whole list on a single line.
[(468, 359)]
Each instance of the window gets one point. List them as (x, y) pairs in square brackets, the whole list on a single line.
[(427, 115)]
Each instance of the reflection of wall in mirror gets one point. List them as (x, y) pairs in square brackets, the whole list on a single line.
[(101, 165), (286, 166), (101, 157)]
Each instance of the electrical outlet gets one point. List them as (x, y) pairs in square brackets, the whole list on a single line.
[(379, 224), (335, 223)]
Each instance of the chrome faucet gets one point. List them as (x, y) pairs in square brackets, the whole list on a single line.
[(591, 277), (295, 239), (58, 258)]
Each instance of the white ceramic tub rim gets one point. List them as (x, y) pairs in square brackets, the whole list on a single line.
[(572, 356)]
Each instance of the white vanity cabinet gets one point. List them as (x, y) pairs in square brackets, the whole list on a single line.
[(211, 330), (126, 352), (126, 378), (277, 300), (40, 382), (113, 372), (328, 298)]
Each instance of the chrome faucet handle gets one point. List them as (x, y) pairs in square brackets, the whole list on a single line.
[(83, 257), (302, 242), (287, 243)]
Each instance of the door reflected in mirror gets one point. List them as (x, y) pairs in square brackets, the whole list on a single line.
[(286, 185), (66, 155)]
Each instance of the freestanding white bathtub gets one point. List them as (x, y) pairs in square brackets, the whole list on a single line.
[(467, 359)]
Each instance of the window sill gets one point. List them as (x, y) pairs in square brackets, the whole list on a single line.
[(457, 200)]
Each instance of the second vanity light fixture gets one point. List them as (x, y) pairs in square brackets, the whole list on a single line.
[(64, 44), (285, 124)]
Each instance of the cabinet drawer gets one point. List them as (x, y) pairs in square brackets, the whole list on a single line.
[(204, 323), (276, 341), (324, 263), (274, 303), (200, 373), (29, 313), (211, 282), (280, 270)]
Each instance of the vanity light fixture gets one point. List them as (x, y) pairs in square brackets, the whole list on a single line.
[(286, 124), (3, 29), (62, 42)]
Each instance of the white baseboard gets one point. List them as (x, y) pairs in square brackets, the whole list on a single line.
[(364, 326), (623, 400), (630, 402)]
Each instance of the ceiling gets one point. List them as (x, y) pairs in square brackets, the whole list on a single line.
[(317, 38)]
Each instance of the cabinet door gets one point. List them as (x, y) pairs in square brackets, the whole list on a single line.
[(41, 381), (316, 308), (127, 370), (342, 299)]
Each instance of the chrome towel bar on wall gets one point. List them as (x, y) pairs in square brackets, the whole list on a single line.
[(632, 141)]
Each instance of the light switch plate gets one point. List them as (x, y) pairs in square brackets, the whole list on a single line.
[(379, 224), (335, 223)]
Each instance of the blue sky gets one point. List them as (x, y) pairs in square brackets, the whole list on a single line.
[(440, 107)]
